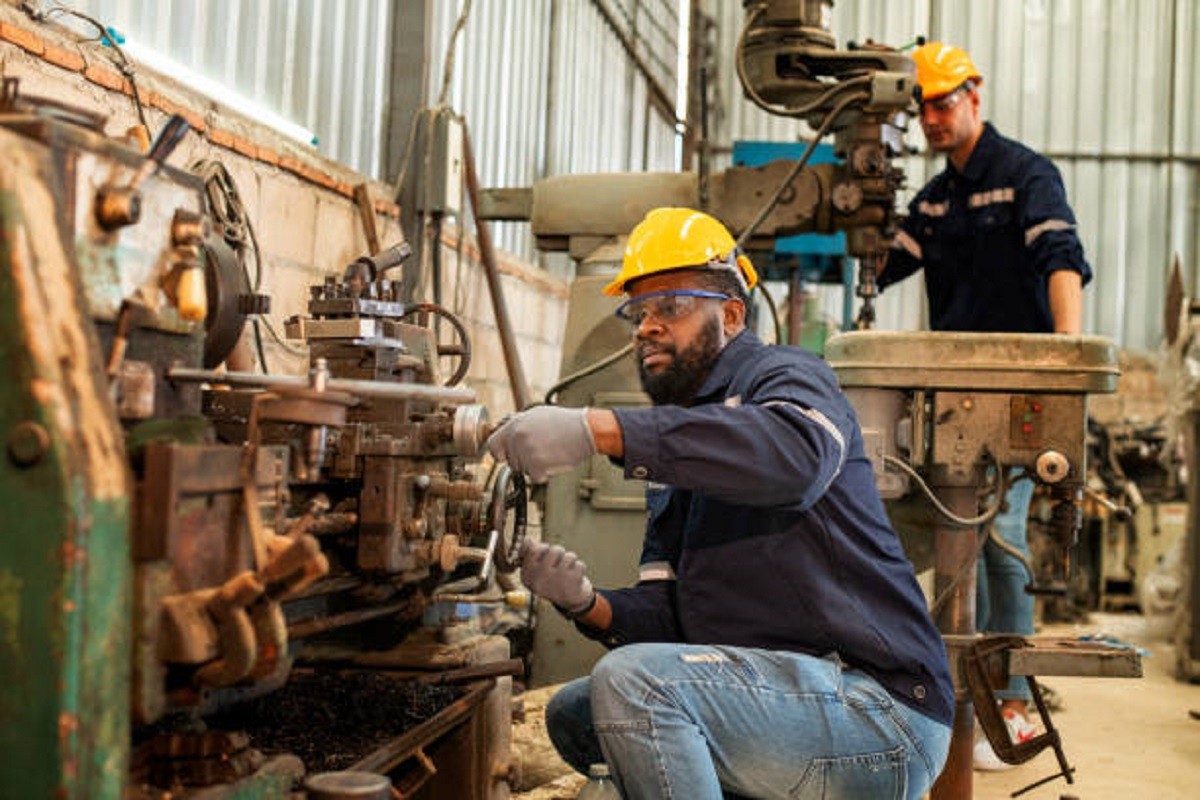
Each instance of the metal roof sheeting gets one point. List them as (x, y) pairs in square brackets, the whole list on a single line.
[(547, 88), (318, 63), (1108, 88)]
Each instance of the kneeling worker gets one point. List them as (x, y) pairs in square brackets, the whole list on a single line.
[(777, 643)]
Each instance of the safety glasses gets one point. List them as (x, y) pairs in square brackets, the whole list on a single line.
[(665, 306), (947, 101)]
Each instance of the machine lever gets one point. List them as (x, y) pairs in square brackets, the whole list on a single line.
[(118, 206), (1120, 513)]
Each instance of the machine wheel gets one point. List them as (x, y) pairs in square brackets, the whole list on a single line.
[(508, 497), (460, 349)]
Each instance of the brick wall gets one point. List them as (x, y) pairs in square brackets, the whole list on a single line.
[(301, 205)]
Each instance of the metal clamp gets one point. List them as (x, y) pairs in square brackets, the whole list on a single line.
[(986, 669)]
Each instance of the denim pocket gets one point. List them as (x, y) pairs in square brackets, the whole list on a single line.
[(875, 775)]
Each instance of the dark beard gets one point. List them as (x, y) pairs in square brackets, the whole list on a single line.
[(679, 382)]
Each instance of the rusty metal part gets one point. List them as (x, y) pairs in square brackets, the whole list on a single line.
[(311, 627), (227, 289), (1042, 655), (1175, 304), (494, 669), (237, 646), (954, 579), (393, 391), (395, 753), (510, 498), (13, 101), (987, 670), (200, 758), (461, 350), (135, 390), (522, 397), (366, 213), (470, 429), (120, 206)]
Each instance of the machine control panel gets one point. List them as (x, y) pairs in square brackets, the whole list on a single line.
[(1012, 428)]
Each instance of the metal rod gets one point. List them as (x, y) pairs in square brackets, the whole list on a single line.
[(494, 669), (391, 391), (311, 627), (954, 575), (508, 343)]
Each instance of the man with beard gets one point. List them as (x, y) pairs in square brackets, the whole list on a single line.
[(776, 643), (996, 238)]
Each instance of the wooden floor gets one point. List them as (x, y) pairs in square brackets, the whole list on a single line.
[(1127, 738)]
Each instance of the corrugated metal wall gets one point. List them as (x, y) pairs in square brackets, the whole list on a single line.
[(1110, 89), (527, 75), (319, 63), (528, 79)]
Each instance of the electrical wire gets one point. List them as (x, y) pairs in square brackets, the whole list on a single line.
[(762, 287), (591, 369), (225, 205), (983, 521), (999, 491), (448, 64), (122, 62)]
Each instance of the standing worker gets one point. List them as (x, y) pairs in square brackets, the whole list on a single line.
[(777, 642), (996, 238)]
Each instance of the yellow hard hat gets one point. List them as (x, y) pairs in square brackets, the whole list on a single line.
[(680, 238), (942, 68)]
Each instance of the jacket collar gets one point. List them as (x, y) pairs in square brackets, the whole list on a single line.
[(736, 352), (981, 156)]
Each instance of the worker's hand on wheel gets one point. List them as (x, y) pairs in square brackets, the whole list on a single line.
[(543, 441), (556, 574)]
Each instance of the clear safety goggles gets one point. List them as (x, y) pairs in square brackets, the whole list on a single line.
[(949, 100), (665, 306)]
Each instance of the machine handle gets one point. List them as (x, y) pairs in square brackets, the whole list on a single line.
[(168, 139)]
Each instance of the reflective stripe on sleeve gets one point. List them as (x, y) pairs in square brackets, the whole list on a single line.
[(1031, 234), (656, 571), (829, 427), (909, 244)]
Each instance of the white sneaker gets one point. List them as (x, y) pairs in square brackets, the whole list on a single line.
[(1019, 730)]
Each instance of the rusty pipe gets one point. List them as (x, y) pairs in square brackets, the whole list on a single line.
[(508, 343), (956, 551)]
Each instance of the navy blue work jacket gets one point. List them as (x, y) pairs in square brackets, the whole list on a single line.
[(988, 238), (766, 528)]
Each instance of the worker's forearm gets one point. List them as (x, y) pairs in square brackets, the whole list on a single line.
[(1066, 301), (606, 432)]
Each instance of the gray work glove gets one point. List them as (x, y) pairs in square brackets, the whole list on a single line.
[(557, 575), (544, 440)]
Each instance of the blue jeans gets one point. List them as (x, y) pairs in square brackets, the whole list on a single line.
[(693, 721), (1001, 603)]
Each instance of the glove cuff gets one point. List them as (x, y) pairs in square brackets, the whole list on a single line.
[(580, 612)]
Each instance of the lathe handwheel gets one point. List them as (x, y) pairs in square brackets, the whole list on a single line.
[(508, 496), (461, 350)]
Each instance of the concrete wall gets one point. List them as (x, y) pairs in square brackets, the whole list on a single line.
[(300, 203)]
